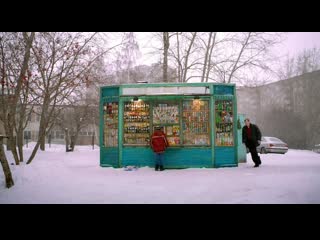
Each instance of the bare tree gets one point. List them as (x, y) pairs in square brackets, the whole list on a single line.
[(61, 60), (305, 61), (181, 53), (244, 55), (126, 57), (179, 66), (162, 48), (5, 166), (186, 67), (76, 118), (207, 59), (15, 54), (287, 69), (166, 45), (25, 109), (219, 57), (14, 59), (236, 66)]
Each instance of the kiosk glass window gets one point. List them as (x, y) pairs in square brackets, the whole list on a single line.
[(110, 116), (195, 122), (224, 123), (136, 122), (166, 114)]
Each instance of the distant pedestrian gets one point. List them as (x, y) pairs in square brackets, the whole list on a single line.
[(251, 137), (159, 144)]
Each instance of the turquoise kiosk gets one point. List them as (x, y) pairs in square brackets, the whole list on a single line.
[(199, 119)]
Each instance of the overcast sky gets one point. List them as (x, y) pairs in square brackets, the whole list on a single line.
[(297, 41), (294, 43)]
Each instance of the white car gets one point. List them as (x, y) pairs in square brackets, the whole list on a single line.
[(272, 145)]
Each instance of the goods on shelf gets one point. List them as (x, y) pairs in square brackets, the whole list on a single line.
[(224, 123), (195, 122), (136, 122), (110, 124)]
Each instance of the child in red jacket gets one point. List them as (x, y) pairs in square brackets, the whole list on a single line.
[(159, 143)]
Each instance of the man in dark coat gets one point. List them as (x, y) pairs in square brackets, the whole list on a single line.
[(251, 137)]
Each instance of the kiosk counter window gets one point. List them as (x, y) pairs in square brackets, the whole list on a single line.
[(166, 114), (190, 129)]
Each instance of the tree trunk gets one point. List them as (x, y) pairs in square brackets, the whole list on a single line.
[(5, 166), (187, 57), (43, 123), (15, 99), (43, 144), (41, 137), (13, 149), (205, 64), (67, 139), (42, 128), (210, 54), (234, 68), (165, 55), (178, 56), (33, 154), (73, 141), (20, 144)]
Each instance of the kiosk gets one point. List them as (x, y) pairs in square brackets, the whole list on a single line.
[(199, 119)]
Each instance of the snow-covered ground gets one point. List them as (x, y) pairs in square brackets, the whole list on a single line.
[(55, 176)]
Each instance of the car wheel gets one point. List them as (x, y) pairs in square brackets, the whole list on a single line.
[(263, 150)]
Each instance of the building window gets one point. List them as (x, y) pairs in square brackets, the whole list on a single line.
[(27, 134), (34, 134), (52, 135), (59, 135)]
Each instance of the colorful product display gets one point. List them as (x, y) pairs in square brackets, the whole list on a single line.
[(167, 115), (136, 122), (164, 113), (224, 123), (195, 122), (111, 124), (173, 134)]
